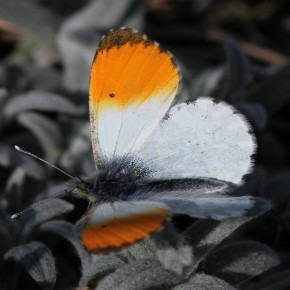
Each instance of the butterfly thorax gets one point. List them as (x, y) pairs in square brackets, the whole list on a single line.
[(108, 185)]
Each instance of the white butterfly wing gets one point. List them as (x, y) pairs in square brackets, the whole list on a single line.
[(200, 139)]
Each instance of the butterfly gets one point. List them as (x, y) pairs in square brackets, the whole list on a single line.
[(155, 160)]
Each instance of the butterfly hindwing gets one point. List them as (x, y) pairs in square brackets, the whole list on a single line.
[(202, 198), (216, 206), (112, 226), (210, 206), (133, 82)]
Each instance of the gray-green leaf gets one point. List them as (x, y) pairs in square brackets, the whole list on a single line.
[(66, 231), (204, 282), (137, 275), (46, 131), (166, 246), (80, 34), (241, 261), (40, 101), (205, 235), (38, 262), (46, 210), (9, 157)]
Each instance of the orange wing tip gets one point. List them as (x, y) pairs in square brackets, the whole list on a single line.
[(123, 68), (122, 232)]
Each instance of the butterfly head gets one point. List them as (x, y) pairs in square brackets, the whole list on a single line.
[(82, 188)]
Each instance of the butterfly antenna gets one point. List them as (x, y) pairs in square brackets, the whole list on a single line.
[(44, 161), (36, 204)]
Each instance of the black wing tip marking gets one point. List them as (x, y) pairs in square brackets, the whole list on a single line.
[(118, 37)]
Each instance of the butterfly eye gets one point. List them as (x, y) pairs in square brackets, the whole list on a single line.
[(85, 193)]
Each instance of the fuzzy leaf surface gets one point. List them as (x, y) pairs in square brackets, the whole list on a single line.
[(137, 275), (38, 261), (45, 211), (46, 131), (167, 247), (205, 235), (99, 267), (144, 249), (241, 261), (66, 231), (10, 157), (15, 180), (80, 33), (204, 282), (92, 266), (79, 152), (40, 101)]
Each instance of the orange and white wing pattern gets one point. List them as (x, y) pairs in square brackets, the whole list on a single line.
[(112, 226), (133, 82)]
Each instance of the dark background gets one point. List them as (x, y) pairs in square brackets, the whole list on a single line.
[(237, 51)]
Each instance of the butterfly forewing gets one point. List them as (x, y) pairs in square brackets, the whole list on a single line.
[(133, 82)]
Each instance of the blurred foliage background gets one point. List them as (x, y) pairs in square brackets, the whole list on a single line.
[(232, 50)]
